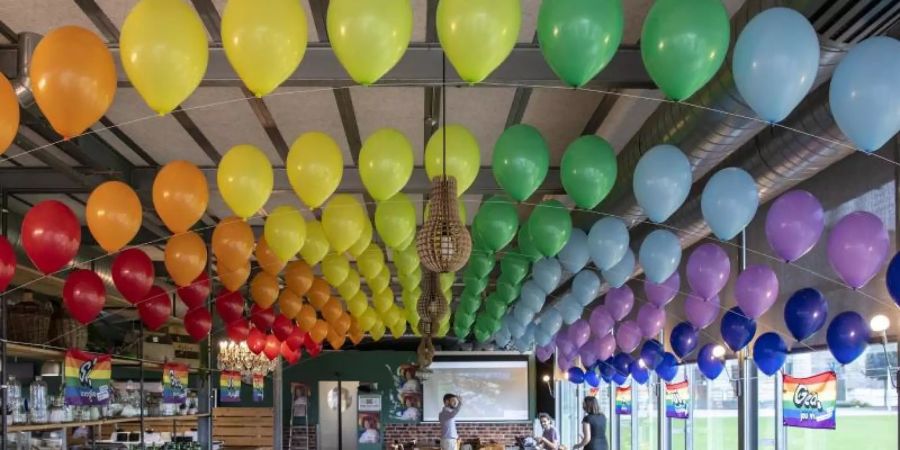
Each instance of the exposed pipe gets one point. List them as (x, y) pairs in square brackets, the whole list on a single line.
[(22, 84)]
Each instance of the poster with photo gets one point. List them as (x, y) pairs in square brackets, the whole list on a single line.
[(369, 430), (406, 397), (299, 399)]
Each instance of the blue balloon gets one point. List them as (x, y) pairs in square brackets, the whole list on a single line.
[(541, 337), (569, 309), (668, 368), (523, 315), (575, 375), (591, 378), (620, 273), (622, 363), (516, 328), (607, 369), (776, 59), (769, 353), (729, 202), (586, 287), (737, 329), (502, 337), (639, 374), (805, 313), (550, 321), (683, 339), (574, 256), (848, 336), (659, 255), (662, 181), (607, 242), (652, 353), (893, 278), (865, 91), (531, 297), (620, 379), (547, 273), (708, 363)]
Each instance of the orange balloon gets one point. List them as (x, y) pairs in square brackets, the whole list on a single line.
[(232, 242), (319, 293), (113, 215), (355, 333), (266, 258), (264, 290), (342, 323), (336, 338), (185, 257), (332, 309), (180, 195), (319, 331), (9, 114), (233, 279), (73, 78), (306, 318), (299, 277), (289, 303)]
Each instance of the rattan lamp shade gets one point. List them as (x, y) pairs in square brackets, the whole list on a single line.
[(432, 306), (443, 243)]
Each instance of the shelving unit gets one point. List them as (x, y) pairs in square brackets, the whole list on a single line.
[(104, 422)]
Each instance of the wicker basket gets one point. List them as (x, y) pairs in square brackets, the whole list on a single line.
[(29, 320), (66, 332)]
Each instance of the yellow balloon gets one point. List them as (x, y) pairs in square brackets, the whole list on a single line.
[(350, 287), (164, 50), (371, 261), (478, 35), (383, 301), (316, 246), (245, 179), (385, 163), (410, 280), (364, 240), (367, 319), (285, 232), (379, 282), (391, 315), (335, 267), (407, 261), (395, 220), (443, 328), (410, 297), (461, 205), (343, 219), (376, 331), (358, 304), (398, 329), (463, 155), (314, 167), (448, 295), (369, 37), (264, 43), (406, 244), (446, 280)]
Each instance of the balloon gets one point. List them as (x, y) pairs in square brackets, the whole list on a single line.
[(180, 192), (586, 287), (550, 321), (521, 160), (620, 273), (574, 255), (155, 309), (531, 296), (332, 309), (570, 309), (547, 273), (335, 268), (588, 168), (113, 214), (588, 359), (229, 306), (619, 302), (266, 259), (285, 232), (606, 346), (262, 318), (364, 240), (668, 368), (892, 278), (316, 245), (805, 313), (683, 339), (272, 348), (350, 286), (737, 329), (550, 226), (608, 242), (383, 300), (526, 244), (395, 219), (580, 332), (857, 247), (699, 312), (232, 242), (185, 257), (770, 353), (478, 35), (496, 222), (335, 339), (480, 264), (318, 293), (296, 338), (639, 374), (369, 38), (50, 235), (312, 347), (708, 269), (652, 353), (7, 263), (575, 375), (264, 45), (386, 158), (233, 279), (343, 220), (256, 341), (651, 320), (197, 323), (264, 290), (238, 330), (601, 321), (660, 294), (514, 266), (622, 364), (756, 290), (381, 281), (543, 354), (290, 355), (628, 336), (463, 155), (848, 336), (862, 93), (84, 295), (244, 176), (708, 363), (314, 167), (9, 114), (195, 294), (794, 224), (306, 318), (289, 303), (662, 181), (660, 255), (729, 202), (606, 369), (132, 273), (73, 79)]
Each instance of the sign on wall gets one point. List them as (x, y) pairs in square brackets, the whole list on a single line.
[(406, 401), (87, 378), (623, 401), (369, 421), (810, 402), (678, 400), (230, 386), (174, 383), (299, 399)]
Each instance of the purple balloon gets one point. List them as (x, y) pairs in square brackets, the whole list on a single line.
[(651, 320), (756, 290), (544, 353), (587, 356), (857, 247), (628, 336), (708, 269), (604, 346), (564, 363), (661, 294), (701, 313), (579, 332), (794, 224), (601, 322), (564, 344), (619, 302)]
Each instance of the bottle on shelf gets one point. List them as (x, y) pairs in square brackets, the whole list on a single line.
[(15, 411), (38, 402)]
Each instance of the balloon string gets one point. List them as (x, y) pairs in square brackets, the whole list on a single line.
[(444, 112)]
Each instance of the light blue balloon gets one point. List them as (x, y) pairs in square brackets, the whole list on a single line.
[(585, 287), (865, 93), (531, 297), (659, 255), (541, 337), (607, 242), (523, 315), (569, 309), (574, 256), (526, 340), (547, 272), (729, 202), (550, 321), (619, 274), (662, 182), (775, 62), (502, 337), (516, 328)]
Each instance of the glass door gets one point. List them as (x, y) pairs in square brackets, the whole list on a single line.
[(337, 415)]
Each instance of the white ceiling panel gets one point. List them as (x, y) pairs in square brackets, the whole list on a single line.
[(483, 111), (472, 202), (635, 11), (390, 107), (300, 110), (41, 16), (530, 10), (16, 153), (420, 17), (560, 115), (118, 145), (76, 206), (43, 146), (628, 115)]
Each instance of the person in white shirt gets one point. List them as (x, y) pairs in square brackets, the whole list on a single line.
[(447, 418)]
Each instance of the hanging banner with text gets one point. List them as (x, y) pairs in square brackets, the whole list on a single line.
[(86, 378), (174, 382), (810, 402), (678, 400), (623, 401), (230, 386), (259, 386)]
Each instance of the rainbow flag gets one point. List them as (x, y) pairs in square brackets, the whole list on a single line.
[(230, 386), (623, 401), (678, 400), (259, 385), (86, 378), (810, 402), (175, 381)]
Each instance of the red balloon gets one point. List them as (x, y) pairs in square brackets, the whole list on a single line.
[(282, 327), (262, 318), (238, 330), (229, 305), (155, 309), (311, 346), (84, 295), (195, 294), (272, 348), (296, 338), (290, 355), (132, 274), (256, 341), (50, 235), (7, 263), (198, 322)]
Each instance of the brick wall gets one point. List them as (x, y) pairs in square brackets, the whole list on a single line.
[(426, 433)]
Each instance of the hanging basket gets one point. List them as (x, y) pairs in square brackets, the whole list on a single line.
[(432, 306), (443, 243), (29, 320)]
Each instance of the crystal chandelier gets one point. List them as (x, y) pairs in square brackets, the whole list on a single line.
[(238, 357)]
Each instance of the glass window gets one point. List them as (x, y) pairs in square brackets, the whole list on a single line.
[(715, 410), (678, 428), (624, 424), (602, 394), (646, 414), (568, 413), (768, 401)]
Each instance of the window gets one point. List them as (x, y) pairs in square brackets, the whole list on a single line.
[(647, 408), (715, 410), (679, 427), (624, 424), (769, 399)]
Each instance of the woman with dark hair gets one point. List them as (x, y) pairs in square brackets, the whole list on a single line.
[(593, 427)]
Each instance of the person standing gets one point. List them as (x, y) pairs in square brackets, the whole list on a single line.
[(593, 427), (447, 418), (549, 438)]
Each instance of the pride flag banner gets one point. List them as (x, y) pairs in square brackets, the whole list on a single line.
[(86, 378), (623, 401), (259, 385), (678, 400), (230, 386), (810, 402), (174, 382)]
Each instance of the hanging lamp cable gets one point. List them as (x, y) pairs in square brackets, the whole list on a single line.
[(444, 112)]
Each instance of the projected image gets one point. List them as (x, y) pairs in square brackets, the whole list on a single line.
[(490, 390)]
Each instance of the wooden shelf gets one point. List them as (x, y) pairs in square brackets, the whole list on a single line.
[(41, 353), (104, 422)]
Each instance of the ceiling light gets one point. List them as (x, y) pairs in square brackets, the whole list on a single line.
[(879, 323)]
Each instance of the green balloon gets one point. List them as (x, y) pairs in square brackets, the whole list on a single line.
[(550, 226), (478, 243), (469, 305), (588, 170), (482, 335), (507, 290), (461, 331), (527, 248), (480, 264), (495, 307), (579, 37), (684, 43), (514, 266), (475, 284), (487, 323), (496, 222), (521, 160), (464, 319)]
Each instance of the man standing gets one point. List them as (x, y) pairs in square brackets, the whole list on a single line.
[(447, 418)]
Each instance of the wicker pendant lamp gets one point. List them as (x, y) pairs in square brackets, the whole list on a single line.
[(432, 309)]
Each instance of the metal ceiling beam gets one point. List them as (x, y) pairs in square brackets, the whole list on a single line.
[(100, 19), (8, 33), (133, 146), (264, 115), (210, 16), (194, 131), (600, 114)]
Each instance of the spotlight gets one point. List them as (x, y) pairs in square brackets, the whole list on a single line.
[(719, 351), (879, 323), (546, 378)]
